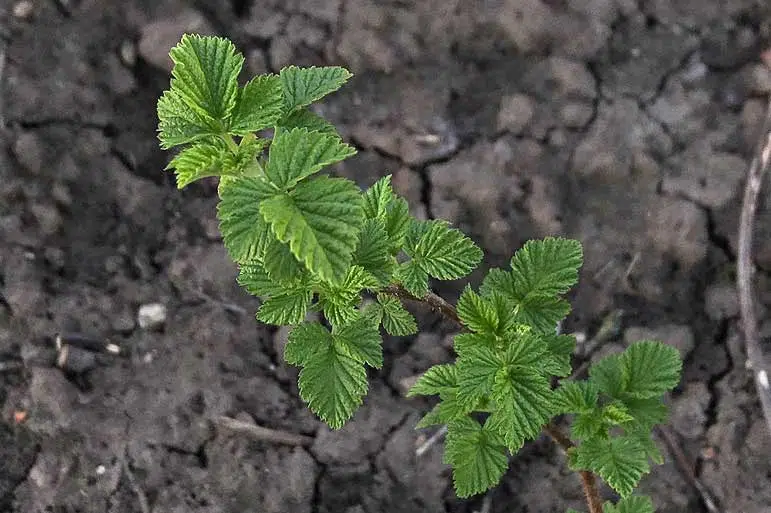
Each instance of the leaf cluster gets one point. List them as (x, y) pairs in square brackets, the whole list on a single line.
[(303, 241)]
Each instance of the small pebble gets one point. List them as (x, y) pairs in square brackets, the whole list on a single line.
[(151, 315), (128, 53), (100, 470), (23, 10)]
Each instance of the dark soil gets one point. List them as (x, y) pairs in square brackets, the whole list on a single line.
[(627, 125)]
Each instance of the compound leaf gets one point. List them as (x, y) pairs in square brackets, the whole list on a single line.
[(179, 124), (259, 105), (441, 251), (477, 457), (320, 219), (650, 369), (245, 232), (296, 154), (396, 319), (205, 75), (621, 461), (436, 380), (303, 86)]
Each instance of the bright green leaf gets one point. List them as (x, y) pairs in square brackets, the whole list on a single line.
[(576, 397), (413, 277), (377, 198), (305, 340), (477, 314), (179, 124), (478, 459), (620, 461), (396, 319), (196, 162), (254, 278), (303, 86), (244, 231), (441, 251), (259, 105), (280, 263), (397, 221), (650, 369), (361, 340), (546, 267), (298, 153), (372, 251), (205, 74), (435, 380), (632, 504), (286, 309), (339, 300), (608, 375), (560, 348), (646, 412), (477, 368), (542, 312), (320, 219), (303, 118)]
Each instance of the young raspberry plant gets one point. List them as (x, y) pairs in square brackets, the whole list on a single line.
[(309, 242)]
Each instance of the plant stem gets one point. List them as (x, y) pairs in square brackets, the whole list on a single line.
[(437, 303)]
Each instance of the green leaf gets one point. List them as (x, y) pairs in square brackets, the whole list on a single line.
[(303, 118), (244, 231), (616, 413), (646, 412), (320, 219), (436, 380), (546, 267), (280, 264), (413, 277), (298, 153), (339, 300), (524, 404), (196, 162), (608, 375), (477, 457), (205, 74), (372, 251), (477, 314), (179, 124), (243, 161), (576, 397), (377, 198), (303, 86), (441, 251), (305, 341), (650, 369), (620, 461), (447, 410), (465, 342), (259, 105), (525, 350), (560, 348), (396, 320), (361, 340), (477, 368), (589, 425), (632, 504), (397, 221), (542, 312), (333, 383), (254, 278), (286, 309)]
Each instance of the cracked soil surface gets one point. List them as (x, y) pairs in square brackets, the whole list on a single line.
[(626, 124)]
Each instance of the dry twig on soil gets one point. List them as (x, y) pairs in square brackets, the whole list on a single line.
[(262, 433), (745, 267)]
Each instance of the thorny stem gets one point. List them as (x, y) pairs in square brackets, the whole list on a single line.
[(437, 303)]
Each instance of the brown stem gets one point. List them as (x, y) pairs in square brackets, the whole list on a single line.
[(437, 303)]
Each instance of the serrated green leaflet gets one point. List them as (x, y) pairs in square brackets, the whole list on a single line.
[(413, 278), (259, 105), (546, 267), (646, 412), (361, 340), (196, 162), (477, 368), (620, 461), (478, 314), (339, 300), (477, 457), (180, 124), (435, 380), (333, 384), (377, 198), (254, 278), (320, 219), (205, 75), (302, 86), (396, 319), (372, 251), (608, 375), (560, 348), (576, 397), (397, 220), (650, 368), (633, 504), (280, 263), (286, 309), (245, 233), (303, 118), (298, 153), (305, 340), (441, 251), (447, 410)]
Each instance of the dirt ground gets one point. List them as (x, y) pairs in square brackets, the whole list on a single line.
[(627, 125)]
